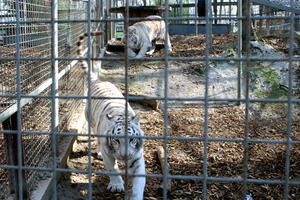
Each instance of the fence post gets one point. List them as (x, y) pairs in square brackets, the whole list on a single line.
[(55, 62), (196, 15), (240, 64), (54, 90), (12, 148)]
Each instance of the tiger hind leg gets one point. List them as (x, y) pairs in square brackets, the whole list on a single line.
[(151, 50)]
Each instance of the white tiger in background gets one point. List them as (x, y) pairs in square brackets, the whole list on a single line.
[(108, 119), (143, 35)]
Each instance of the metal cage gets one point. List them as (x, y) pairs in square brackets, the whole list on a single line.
[(42, 88)]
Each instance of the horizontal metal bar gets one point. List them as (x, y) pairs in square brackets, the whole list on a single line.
[(121, 58), (210, 139), (169, 176), (141, 18), (200, 99), (191, 5)]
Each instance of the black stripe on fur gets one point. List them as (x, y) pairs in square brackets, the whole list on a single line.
[(134, 162)]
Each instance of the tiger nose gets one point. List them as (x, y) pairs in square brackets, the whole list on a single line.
[(124, 156)]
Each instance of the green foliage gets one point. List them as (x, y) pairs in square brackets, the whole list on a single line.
[(173, 12), (266, 82)]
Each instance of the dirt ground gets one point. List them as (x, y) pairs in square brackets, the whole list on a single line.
[(186, 157), (224, 159)]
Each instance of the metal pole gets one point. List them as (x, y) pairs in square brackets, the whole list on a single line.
[(126, 63), (90, 188), (230, 20), (181, 8), (19, 124), (290, 104), (55, 62), (196, 15), (166, 101), (54, 91), (239, 77), (208, 40), (246, 50)]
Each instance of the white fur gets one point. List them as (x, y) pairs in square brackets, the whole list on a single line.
[(108, 115), (108, 119), (142, 36)]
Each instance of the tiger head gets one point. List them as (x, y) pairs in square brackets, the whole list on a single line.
[(133, 38), (117, 145)]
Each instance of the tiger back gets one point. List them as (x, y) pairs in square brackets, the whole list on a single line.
[(109, 124)]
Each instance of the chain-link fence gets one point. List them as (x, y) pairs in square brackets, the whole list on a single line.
[(224, 107), (26, 49)]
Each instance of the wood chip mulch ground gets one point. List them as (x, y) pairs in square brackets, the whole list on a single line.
[(185, 157)]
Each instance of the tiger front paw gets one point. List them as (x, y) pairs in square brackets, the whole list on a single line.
[(99, 156), (136, 197), (131, 53), (139, 56), (115, 187)]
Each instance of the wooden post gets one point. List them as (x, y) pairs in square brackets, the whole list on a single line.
[(215, 10), (12, 148), (245, 27)]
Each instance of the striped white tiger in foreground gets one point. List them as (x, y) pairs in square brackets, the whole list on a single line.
[(108, 119)]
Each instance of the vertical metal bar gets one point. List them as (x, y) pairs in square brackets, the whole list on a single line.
[(19, 135), (196, 15), (90, 191), (246, 6), (230, 20), (181, 8), (165, 167), (290, 105), (260, 21), (239, 75), (111, 23), (126, 23), (268, 11), (19, 98), (25, 18), (207, 52), (54, 88), (55, 54)]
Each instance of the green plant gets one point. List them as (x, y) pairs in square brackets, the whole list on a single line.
[(266, 82)]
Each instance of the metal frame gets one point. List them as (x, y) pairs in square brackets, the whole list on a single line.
[(20, 107), (205, 179)]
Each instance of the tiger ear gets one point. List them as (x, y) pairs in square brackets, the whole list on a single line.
[(136, 118)]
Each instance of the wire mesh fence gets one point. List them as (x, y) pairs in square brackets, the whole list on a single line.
[(31, 41), (215, 149), (4, 174)]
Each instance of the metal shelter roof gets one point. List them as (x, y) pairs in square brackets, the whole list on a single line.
[(280, 4)]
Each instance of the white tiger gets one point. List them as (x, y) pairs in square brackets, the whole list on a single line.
[(108, 119), (143, 35)]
